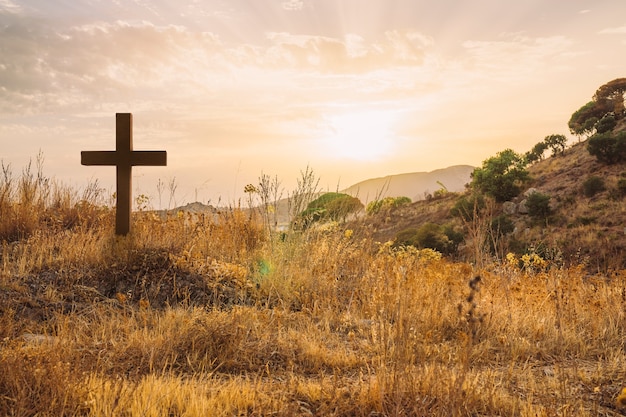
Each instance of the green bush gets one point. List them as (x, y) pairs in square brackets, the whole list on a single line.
[(467, 207), (608, 148), (444, 239), (538, 205), (501, 176), (501, 226), (606, 124), (593, 185), (386, 203), (329, 206)]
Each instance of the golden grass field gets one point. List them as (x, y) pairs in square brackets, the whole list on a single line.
[(213, 316)]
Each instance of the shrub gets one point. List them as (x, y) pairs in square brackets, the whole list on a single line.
[(386, 203), (329, 206), (593, 185), (606, 124), (501, 176), (608, 148), (466, 208), (443, 239), (501, 226), (538, 205)]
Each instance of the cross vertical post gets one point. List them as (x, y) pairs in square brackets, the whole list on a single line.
[(124, 157), (124, 177)]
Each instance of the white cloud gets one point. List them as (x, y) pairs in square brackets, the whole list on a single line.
[(612, 31), (292, 5), (9, 6), (349, 55), (517, 56)]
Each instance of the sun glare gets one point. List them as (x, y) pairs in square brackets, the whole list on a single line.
[(361, 135)]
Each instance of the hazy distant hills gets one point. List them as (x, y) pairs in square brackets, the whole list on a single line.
[(413, 185)]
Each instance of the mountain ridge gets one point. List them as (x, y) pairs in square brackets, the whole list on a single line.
[(415, 185)]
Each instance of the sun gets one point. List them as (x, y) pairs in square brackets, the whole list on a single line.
[(362, 135)]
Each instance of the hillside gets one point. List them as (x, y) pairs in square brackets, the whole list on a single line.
[(580, 230), (414, 185)]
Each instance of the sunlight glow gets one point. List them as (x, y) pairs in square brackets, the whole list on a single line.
[(363, 135)]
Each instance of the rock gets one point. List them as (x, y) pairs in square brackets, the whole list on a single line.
[(509, 207), (530, 192), (522, 208)]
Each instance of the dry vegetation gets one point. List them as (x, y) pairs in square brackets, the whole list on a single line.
[(213, 317), (581, 230)]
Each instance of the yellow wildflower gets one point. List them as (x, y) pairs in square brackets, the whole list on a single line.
[(621, 399), (511, 259)]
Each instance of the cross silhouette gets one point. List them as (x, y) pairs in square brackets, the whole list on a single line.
[(124, 158)]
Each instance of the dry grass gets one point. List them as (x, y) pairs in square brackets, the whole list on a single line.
[(212, 317)]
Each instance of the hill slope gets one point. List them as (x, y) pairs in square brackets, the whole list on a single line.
[(588, 230), (413, 185)]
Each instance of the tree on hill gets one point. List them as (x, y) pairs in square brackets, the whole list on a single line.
[(556, 143), (536, 153), (613, 93), (608, 100), (329, 206), (501, 176)]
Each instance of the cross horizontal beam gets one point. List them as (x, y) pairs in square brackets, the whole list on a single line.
[(138, 158)]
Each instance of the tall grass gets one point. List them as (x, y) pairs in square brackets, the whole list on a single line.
[(215, 316)]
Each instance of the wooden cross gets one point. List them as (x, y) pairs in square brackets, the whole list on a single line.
[(123, 157)]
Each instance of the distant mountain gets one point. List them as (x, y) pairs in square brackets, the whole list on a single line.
[(413, 185)]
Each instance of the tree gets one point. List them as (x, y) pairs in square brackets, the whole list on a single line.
[(584, 120), (339, 208), (329, 206), (536, 153), (556, 143), (609, 98), (501, 176), (613, 95)]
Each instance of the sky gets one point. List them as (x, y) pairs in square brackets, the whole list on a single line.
[(351, 89)]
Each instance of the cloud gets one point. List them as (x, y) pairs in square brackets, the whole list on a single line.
[(620, 30), (77, 68), (348, 55), (9, 6), (516, 55), (292, 5), (43, 67)]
